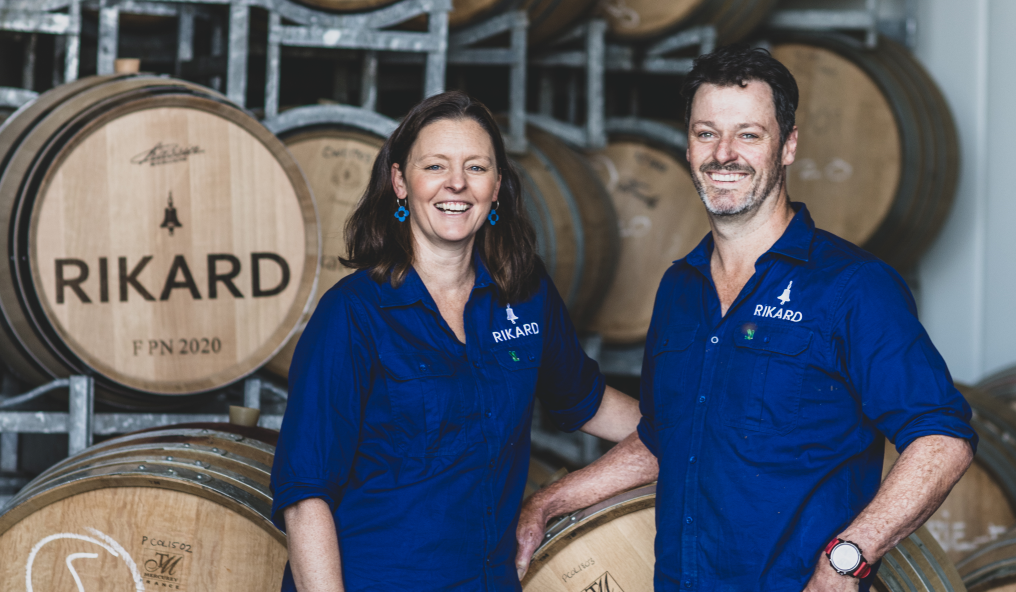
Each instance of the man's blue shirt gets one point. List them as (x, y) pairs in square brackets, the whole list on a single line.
[(419, 443), (769, 421)]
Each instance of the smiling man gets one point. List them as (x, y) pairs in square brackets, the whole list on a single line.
[(777, 357)]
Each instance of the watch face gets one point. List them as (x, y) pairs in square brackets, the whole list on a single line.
[(845, 557)]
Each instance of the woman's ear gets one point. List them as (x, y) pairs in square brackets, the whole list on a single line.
[(399, 182)]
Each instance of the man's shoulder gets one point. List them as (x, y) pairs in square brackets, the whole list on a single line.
[(863, 274), (829, 248)]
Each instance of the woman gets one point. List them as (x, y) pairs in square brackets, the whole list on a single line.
[(405, 446)]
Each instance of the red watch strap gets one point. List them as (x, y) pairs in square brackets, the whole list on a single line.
[(862, 570), (832, 543)]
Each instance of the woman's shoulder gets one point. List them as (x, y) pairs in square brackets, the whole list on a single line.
[(356, 289)]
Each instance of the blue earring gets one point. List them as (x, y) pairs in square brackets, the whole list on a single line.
[(402, 213), (492, 216)]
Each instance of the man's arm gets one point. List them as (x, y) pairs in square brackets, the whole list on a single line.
[(313, 546), (915, 487), (617, 416), (626, 465)]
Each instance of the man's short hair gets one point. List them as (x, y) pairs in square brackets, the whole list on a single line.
[(740, 64)]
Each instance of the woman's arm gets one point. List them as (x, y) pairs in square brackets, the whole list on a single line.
[(313, 546), (617, 417)]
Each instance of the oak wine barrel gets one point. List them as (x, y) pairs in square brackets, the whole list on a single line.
[(660, 219), (992, 568), (1001, 385), (609, 546), (575, 222), (181, 507), (636, 20), (335, 146), (982, 505), (161, 239), (877, 156), (547, 18)]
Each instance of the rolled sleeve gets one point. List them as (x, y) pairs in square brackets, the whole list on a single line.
[(570, 385), (901, 379), (329, 381)]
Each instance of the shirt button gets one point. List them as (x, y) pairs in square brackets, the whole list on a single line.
[(665, 341), (701, 399), (687, 583), (689, 520), (532, 357), (489, 413), (692, 460), (715, 339), (423, 366), (488, 562), (492, 464), (476, 363), (490, 510), (765, 339)]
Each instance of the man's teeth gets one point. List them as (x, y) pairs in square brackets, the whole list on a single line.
[(730, 177), (453, 207)]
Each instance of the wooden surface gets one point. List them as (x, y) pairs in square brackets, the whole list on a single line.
[(733, 20), (992, 568), (215, 550), (849, 154), (337, 163), (347, 5), (235, 194), (918, 564), (582, 225), (615, 553), (660, 219)]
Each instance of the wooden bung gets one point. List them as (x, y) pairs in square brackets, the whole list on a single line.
[(660, 219), (171, 240), (127, 65)]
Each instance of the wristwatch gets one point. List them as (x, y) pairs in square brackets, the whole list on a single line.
[(847, 559)]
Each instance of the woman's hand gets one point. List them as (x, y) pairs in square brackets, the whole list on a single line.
[(313, 546)]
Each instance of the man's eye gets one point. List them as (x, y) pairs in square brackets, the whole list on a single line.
[(432, 167)]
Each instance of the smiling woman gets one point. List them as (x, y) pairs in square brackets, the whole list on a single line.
[(403, 455)]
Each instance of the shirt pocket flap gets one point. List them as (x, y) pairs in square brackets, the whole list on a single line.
[(675, 339), (409, 366), (789, 341), (519, 356)]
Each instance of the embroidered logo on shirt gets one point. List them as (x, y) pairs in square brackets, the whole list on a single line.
[(785, 296), (511, 314), (515, 358), (749, 334)]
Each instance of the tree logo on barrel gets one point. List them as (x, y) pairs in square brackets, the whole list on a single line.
[(604, 583)]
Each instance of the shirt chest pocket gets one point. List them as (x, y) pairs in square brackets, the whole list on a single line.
[(762, 390), (429, 411), (673, 377), (520, 365)]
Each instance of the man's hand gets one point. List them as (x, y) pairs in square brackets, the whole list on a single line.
[(532, 526), (825, 579)]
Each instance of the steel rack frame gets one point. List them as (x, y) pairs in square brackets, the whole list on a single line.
[(514, 56), (45, 19), (358, 31), (81, 423), (865, 21), (591, 59)]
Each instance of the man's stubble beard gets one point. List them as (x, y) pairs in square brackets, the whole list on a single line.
[(774, 180)]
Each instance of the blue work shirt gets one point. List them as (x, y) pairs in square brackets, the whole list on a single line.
[(419, 443), (768, 422)]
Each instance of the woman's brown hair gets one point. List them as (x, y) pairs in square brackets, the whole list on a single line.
[(378, 242)]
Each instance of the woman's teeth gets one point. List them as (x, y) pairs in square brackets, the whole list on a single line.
[(453, 207)]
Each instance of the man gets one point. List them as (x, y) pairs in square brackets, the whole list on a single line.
[(777, 357)]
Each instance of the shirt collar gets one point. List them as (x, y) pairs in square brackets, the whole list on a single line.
[(412, 289), (794, 243)]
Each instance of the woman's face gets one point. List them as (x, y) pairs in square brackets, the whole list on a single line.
[(451, 181)]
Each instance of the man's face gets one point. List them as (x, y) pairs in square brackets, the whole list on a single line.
[(734, 147)]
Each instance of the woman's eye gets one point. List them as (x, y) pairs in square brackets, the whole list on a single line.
[(477, 168), (432, 167)]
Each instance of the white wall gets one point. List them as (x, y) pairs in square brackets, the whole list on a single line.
[(967, 280)]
